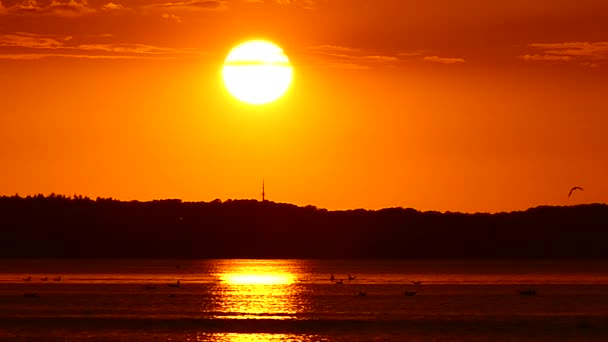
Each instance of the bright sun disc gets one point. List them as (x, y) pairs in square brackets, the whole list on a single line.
[(257, 72)]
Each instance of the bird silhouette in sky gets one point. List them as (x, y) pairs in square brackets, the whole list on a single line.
[(575, 188)]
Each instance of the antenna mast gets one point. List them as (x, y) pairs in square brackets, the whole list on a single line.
[(263, 192)]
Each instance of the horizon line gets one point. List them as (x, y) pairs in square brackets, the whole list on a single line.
[(100, 198)]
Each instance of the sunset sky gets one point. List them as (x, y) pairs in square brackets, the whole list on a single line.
[(469, 105)]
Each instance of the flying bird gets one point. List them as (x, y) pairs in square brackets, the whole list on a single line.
[(575, 188)]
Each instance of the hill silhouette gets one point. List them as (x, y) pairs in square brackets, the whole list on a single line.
[(62, 227)]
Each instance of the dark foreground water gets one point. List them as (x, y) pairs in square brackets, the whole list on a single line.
[(295, 300)]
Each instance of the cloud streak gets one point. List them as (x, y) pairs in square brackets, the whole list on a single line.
[(76, 8), (355, 58), (31, 46), (171, 17), (32, 41), (347, 57), (112, 7), (169, 10), (307, 4), (443, 60), (61, 8), (189, 6), (428, 56), (137, 49), (37, 56), (583, 53)]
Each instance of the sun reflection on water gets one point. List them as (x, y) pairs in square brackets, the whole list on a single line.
[(265, 289), (257, 337), (258, 279)]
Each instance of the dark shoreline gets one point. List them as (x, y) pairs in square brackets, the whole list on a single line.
[(61, 227)]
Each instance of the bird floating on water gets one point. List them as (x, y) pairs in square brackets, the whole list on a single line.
[(351, 277), (575, 188)]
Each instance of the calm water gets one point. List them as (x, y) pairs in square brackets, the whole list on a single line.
[(294, 300)]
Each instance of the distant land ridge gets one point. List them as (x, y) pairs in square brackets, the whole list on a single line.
[(57, 226)]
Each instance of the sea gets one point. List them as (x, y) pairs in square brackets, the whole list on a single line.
[(303, 300)]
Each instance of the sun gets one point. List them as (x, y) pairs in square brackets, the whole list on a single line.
[(257, 72)]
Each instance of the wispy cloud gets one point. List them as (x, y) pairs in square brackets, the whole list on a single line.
[(37, 56), (334, 49), (171, 17), (204, 5), (597, 50), (32, 46), (355, 58), (347, 57), (545, 57), (33, 41), (428, 56), (307, 4), (170, 10), (112, 7), (583, 53), (414, 53), (62, 8), (136, 49), (75, 8), (443, 60)]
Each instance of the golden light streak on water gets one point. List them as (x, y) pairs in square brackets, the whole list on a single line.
[(258, 279), (265, 289)]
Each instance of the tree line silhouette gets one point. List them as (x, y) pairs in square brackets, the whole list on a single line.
[(77, 227)]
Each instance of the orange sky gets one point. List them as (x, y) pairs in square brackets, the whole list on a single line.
[(435, 104)]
